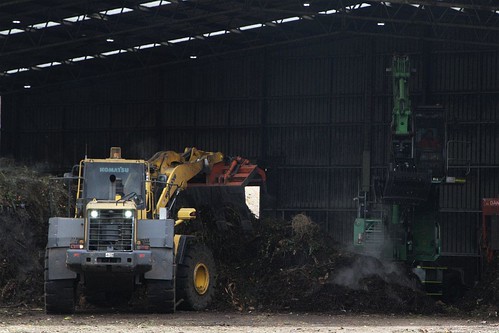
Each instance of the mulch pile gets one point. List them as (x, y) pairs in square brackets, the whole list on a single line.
[(294, 266), (280, 266), (483, 299), (27, 200)]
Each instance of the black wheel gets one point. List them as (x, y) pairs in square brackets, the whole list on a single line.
[(161, 296), (196, 278), (60, 296)]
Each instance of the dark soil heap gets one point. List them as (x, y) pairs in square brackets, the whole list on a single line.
[(27, 200), (294, 266), (483, 299), (281, 266)]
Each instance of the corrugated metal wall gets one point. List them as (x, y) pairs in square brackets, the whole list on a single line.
[(305, 111)]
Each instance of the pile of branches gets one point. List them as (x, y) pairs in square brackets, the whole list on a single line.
[(294, 266), (483, 299), (27, 200)]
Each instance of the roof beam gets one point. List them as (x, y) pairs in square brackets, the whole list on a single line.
[(166, 22), (13, 2), (445, 4)]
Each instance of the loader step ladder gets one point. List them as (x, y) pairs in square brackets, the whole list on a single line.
[(375, 237), (369, 235), (432, 279)]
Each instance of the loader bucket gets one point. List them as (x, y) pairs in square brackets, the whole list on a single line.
[(404, 187), (226, 205)]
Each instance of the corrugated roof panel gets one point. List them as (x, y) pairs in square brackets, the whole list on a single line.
[(299, 76), (245, 112), (348, 75), (290, 145), (461, 197), (292, 192), (459, 233), (343, 187), (455, 71), (346, 145), (245, 142), (301, 110)]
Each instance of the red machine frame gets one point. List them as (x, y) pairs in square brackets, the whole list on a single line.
[(490, 207)]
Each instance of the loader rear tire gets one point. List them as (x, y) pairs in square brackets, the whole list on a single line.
[(60, 296), (196, 277), (161, 296)]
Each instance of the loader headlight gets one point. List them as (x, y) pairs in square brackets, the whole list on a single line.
[(77, 244), (143, 244), (94, 213), (128, 214)]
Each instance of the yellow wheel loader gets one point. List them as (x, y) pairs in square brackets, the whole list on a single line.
[(122, 236)]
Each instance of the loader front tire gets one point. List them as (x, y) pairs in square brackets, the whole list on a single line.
[(161, 296), (196, 278)]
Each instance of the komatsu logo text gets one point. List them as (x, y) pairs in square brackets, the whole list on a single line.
[(117, 170)]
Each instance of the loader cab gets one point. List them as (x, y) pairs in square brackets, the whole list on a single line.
[(418, 158), (114, 180)]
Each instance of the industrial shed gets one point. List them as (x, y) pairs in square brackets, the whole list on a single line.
[(300, 87)]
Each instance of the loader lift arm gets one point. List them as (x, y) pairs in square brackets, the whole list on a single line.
[(401, 103), (215, 182), (174, 170), (194, 167), (405, 183)]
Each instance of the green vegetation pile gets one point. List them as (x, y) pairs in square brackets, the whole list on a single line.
[(27, 200)]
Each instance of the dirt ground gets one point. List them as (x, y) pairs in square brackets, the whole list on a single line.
[(23, 321)]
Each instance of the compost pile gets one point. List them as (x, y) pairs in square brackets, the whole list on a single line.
[(294, 266), (483, 299), (27, 200), (280, 266)]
